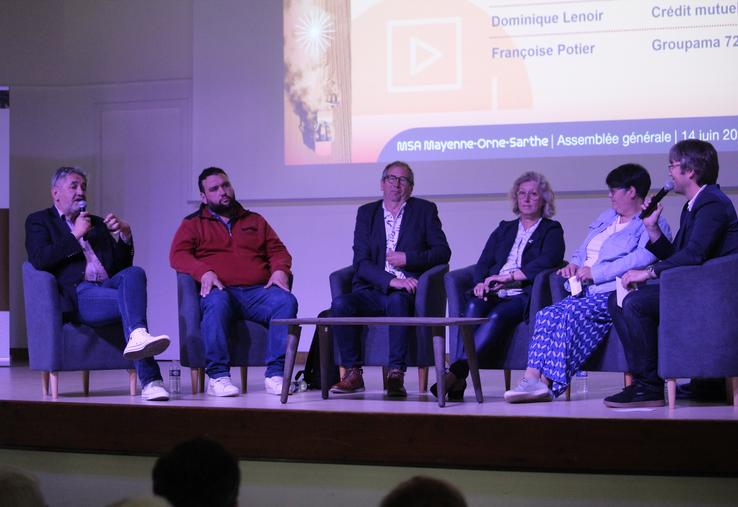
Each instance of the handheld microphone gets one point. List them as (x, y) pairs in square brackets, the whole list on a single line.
[(82, 205), (668, 187)]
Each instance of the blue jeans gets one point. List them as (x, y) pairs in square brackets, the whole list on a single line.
[(373, 303), (119, 298), (254, 303)]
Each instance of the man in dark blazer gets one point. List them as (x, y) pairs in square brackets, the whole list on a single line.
[(396, 239), (708, 228), (91, 258)]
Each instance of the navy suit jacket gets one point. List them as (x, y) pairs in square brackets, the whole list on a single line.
[(421, 237), (709, 230), (52, 247), (545, 249)]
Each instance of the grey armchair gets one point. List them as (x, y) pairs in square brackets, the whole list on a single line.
[(698, 325), (512, 354), (430, 301), (55, 346), (247, 347)]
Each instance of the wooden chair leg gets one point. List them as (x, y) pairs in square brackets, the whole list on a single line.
[(731, 388), (195, 379), (422, 379), (384, 378), (86, 382), (201, 379), (244, 378), (132, 382), (627, 379), (671, 385), (508, 379), (568, 392), (44, 383), (54, 384)]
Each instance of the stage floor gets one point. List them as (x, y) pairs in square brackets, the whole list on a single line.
[(110, 387), (578, 435)]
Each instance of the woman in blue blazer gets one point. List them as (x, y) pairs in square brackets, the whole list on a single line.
[(567, 333), (516, 251)]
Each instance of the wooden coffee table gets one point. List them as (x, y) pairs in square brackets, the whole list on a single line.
[(439, 345)]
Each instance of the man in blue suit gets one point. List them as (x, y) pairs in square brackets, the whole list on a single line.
[(708, 228), (396, 239), (91, 258)]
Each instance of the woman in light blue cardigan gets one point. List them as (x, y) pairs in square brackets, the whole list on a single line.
[(567, 333)]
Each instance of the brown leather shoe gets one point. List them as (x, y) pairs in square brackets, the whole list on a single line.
[(352, 382), (396, 383)]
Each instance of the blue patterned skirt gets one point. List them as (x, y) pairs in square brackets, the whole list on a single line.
[(565, 336)]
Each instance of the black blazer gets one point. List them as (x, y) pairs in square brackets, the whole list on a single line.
[(709, 230), (421, 238), (52, 247), (545, 249)]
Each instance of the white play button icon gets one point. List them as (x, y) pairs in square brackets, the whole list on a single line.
[(422, 56)]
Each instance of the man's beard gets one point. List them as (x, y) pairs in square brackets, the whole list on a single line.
[(223, 209)]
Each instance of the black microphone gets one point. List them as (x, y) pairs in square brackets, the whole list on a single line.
[(82, 205), (668, 187)]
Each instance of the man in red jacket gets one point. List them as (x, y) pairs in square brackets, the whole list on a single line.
[(243, 269)]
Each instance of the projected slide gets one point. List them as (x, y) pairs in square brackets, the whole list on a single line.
[(378, 80)]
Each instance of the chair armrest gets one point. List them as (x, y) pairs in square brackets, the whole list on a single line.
[(188, 297), (43, 318), (340, 281), (430, 299), (556, 284), (541, 293), (457, 282)]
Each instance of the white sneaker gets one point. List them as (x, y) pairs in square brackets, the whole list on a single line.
[(222, 386), (141, 344), (273, 385), (529, 391), (155, 391)]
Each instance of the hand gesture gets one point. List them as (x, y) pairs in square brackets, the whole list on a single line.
[(408, 284), (652, 220), (396, 259), (634, 277), (584, 274), (568, 271), (280, 279), (208, 281), (82, 224), (117, 226)]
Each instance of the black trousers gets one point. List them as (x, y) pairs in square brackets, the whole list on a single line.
[(503, 315), (637, 324)]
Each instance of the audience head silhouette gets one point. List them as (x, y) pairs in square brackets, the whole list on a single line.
[(424, 492), (198, 472), (19, 489)]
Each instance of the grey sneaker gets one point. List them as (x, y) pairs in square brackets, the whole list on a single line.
[(529, 391)]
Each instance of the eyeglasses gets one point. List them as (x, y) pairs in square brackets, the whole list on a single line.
[(673, 165), (530, 195), (393, 180)]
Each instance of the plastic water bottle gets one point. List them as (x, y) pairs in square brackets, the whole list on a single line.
[(582, 383), (175, 373)]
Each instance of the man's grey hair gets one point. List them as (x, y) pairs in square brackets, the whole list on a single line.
[(65, 171)]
